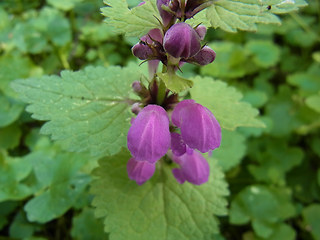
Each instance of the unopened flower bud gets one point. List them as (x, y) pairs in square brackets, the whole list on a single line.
[(149, 136), (143, 2), (199, 128), (202, 31), (165, 15), (136, 86), (140, 171), (205, 56), (181, 40), (141, 51), (135, 108), (194, 168)]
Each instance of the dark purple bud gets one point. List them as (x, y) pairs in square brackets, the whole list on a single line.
[(194, 168), (181, 40), (202, 31), (136, 86), (135, 108), (140, 171), (149, 136), (165, 15), (178, 147), (195, 6), (199, 128), (141, 51), (205, 56)]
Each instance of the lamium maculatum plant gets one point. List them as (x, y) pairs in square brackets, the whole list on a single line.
[(143, 138)]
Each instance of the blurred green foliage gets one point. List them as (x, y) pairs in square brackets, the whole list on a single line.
[(273, 172)]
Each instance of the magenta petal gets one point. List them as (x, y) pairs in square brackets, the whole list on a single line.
[(140, 171), (178, 147), (177, 173), (194, 168), (149, 136), (176, 111), (199, 128)]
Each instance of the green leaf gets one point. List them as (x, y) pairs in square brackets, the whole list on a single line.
[(13, 171), (307, 82), (10, 136), (265, 53), (232, 61), (159, 209), (21, 228), (225, 104), (263, 206), (311, 216), (87, 110), (10, 110), (231, 150), (314, 102), (274, 161), (60, 183), (283, 112), (232, 15), (131, 22), (63, 4), (174, 82), (13, 67), (86, 226)]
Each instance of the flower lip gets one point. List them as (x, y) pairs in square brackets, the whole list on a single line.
[(199, 128), (149, 136), (194, 168), (140, 171)]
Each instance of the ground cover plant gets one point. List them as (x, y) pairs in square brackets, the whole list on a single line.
[(157, 119)]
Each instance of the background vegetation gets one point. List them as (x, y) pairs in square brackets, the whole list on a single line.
[(273, 173)]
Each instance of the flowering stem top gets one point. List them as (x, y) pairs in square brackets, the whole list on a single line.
[(192, 128)]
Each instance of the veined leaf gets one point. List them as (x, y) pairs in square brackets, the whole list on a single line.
[(225, 104), (86, 110), (231, 15), (159, 209), (131, 22), (175, 83)]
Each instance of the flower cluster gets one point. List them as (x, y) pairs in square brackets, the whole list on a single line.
[(191, 129), (179, 43), (149, 139)]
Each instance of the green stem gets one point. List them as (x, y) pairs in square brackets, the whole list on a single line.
[(161, 92), (64, 60)]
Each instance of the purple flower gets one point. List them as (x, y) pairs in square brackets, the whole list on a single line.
[(181, 40), (205, 56), (199, 128), (140, 171), (149, 136), (194, 168), (149, 46), (141, 51)]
